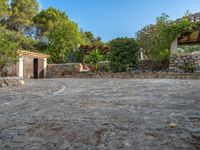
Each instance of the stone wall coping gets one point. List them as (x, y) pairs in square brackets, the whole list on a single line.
[(19, 78), (133, 75), (196, 53), (189, 54), (64, 64), (185, 54)]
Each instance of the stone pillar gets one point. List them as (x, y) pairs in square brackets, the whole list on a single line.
[(174, 47), (141, 55), (21, 67), (45, 67)]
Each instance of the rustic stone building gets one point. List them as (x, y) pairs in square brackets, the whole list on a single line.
[(30, 65)]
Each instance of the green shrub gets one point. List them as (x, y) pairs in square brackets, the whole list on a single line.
[(123, 54), (104, 66), (94, 58)]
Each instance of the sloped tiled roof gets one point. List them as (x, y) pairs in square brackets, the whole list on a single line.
[(33, 54)]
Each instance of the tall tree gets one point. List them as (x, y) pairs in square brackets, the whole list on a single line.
[(21, 41), (4, 11), (4, 8), (90, 36), (65, 39), (48, 20), (8, 55), (84, 36), (93, 40), (22, 15)]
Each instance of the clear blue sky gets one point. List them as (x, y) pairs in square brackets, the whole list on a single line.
[(119, 18)]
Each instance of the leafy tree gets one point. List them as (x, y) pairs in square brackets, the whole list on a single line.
[(21, 41), (8, 55), (4, 11), (64, 40), (48, 20), (155, 39), (84, 36), (123, 53), (92, 39), (4, 8), (90, 36), (98, 41), (22, 15)]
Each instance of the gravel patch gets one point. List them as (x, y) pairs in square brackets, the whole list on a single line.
[(90, 114)]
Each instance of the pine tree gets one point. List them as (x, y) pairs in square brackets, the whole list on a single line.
[(4, 9), (22, 15)]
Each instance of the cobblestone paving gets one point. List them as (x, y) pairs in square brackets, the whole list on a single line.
[(90, 114)]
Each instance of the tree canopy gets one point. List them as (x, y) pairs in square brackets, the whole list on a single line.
[(4, 8), (155, 39), (8, 54), (48, 20), (22, 14), (63, 40), (92, 39), (20, 40)]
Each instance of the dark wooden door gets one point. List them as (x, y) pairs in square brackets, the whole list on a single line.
[(35, 68)]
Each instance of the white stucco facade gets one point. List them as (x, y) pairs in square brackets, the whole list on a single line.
[(174, 47), (21, 67), (45, 67)]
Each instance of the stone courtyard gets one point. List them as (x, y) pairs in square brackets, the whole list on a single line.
[(90, 114)]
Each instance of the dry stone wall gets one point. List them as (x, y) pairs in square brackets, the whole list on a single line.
[(61, 70), (183, 63)]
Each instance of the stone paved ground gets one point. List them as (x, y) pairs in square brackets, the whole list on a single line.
[(62, 114)]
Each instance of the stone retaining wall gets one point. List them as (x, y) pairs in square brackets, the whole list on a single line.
[(9, 71), (75, 70), (141, 75), (11, 81), (61, 70), (181, 63)]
